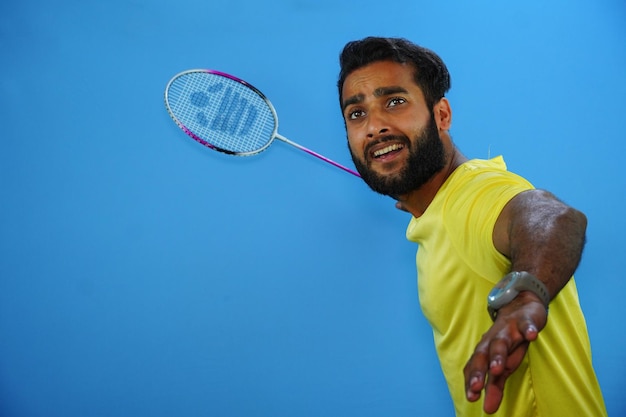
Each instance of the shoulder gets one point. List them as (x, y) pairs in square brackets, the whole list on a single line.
[(483, 182)]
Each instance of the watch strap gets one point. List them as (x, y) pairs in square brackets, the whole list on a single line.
[(524, 281), (529, 282)]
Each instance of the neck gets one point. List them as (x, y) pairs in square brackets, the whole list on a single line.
[(416, 202)]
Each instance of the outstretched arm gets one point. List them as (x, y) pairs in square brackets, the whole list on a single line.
[(545, 237)]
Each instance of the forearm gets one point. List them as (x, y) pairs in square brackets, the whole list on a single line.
[(546, 238)]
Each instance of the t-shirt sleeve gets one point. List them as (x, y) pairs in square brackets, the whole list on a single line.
[(471, 213)]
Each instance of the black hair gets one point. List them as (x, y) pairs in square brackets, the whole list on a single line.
[(431, 74)]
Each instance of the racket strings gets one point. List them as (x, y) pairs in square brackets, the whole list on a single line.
[(222, 112)]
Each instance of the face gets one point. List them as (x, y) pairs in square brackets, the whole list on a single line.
[(392, 135)]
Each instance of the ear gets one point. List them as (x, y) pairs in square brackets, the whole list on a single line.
[(443, 114)]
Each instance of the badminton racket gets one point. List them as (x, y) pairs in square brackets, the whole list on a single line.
[(226, 114)]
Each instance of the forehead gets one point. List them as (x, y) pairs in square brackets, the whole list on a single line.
[(378, 74)]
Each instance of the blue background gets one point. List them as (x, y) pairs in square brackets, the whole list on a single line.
[(142, 274)]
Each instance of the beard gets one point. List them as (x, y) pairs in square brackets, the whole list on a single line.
[(426, 158)]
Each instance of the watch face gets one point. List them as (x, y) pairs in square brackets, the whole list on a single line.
[(505, 282), (500, 290)]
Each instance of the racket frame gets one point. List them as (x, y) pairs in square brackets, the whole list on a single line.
[(275, 134)]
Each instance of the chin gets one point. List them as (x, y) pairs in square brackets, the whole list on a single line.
[(386, 168)]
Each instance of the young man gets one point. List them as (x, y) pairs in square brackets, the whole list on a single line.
[(482, 231)]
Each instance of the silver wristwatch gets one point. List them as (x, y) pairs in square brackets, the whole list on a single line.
[(512, 284)]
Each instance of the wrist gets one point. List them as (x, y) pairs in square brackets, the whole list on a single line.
[(511, 286), (523, 299), (527, 307)]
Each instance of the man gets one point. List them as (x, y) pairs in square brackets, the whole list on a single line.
[(475, 223)]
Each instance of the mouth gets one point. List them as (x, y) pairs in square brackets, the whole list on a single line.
[(389, 149), (386, 150)]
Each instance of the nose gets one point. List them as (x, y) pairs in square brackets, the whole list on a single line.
[(376, 124)]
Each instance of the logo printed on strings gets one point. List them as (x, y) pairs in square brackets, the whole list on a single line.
[(234, 115)]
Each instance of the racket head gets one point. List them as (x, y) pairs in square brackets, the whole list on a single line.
[(221, 111)]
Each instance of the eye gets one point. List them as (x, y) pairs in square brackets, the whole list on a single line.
[(355, 114), (396, 101)]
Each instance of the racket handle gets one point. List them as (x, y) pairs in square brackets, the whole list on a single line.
[(317, 155)]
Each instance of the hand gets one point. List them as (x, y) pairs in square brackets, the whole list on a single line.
[(502, 349), (400, 206)]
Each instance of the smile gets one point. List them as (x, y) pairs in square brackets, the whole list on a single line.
[(387, 149)]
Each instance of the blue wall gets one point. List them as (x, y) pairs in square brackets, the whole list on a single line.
[(144, 275)]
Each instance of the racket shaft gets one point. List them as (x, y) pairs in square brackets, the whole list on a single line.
[(317, 155)]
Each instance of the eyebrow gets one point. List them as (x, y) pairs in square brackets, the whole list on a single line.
[(379, 92)]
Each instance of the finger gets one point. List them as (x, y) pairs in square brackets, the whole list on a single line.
[(475, 371), (498, 354), (494, 388), (494, 391), (529, 330)]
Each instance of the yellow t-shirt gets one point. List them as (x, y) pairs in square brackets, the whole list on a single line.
[(457, 265)]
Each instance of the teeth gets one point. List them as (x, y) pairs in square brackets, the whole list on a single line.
[(387, 149)]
